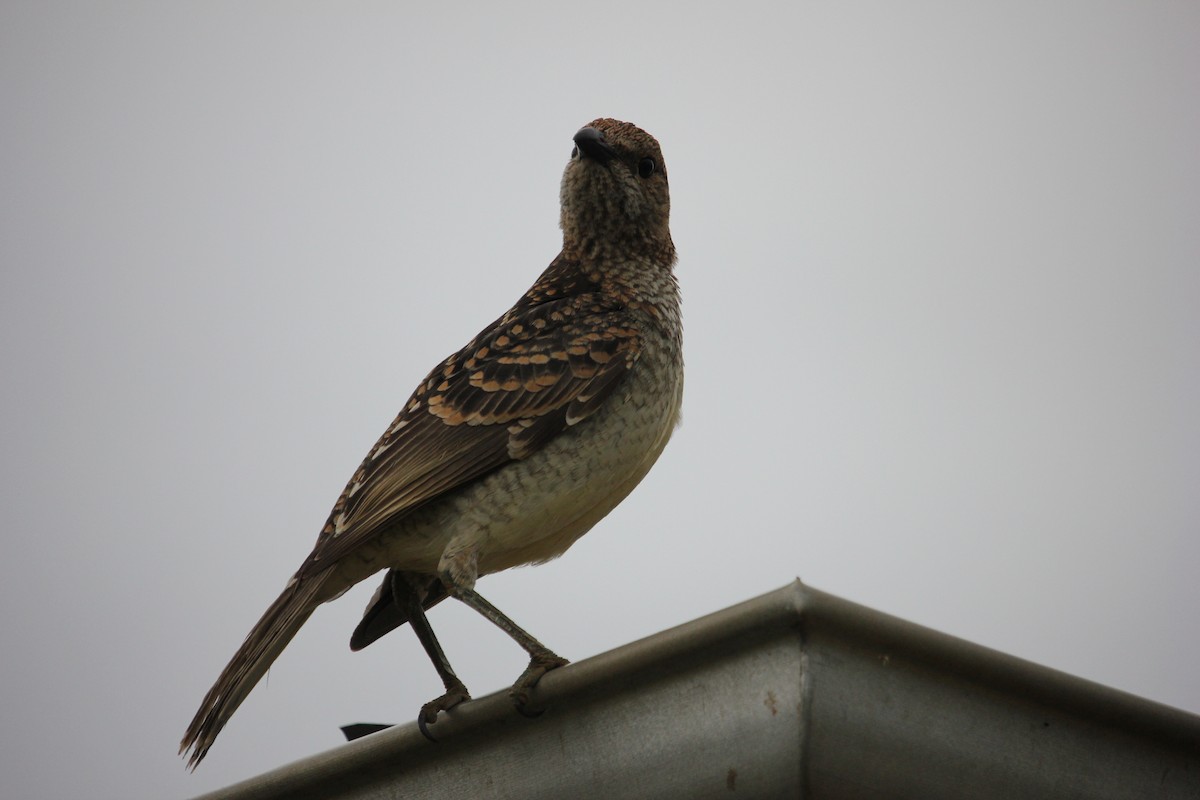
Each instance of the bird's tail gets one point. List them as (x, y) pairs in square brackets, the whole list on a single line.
[(262, 646)]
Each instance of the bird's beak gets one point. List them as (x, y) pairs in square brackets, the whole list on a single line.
[(591, 145)]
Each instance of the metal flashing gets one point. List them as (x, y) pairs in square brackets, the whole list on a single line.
[(796, 693)]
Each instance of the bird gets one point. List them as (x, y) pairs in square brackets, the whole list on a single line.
[(512, 447)]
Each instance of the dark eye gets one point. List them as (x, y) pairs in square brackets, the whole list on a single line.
[(646, 167)]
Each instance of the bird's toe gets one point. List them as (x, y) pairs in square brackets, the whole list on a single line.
[(539, 664), (429, 712)]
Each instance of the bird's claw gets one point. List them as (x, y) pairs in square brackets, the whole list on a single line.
[(539, 665), (429, 712), (424, 728)]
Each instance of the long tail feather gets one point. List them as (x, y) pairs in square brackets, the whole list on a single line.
[(262, 646)]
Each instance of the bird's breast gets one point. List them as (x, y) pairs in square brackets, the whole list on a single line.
[(532, 510)]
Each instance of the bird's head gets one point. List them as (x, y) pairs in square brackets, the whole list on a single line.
[(615, 199)]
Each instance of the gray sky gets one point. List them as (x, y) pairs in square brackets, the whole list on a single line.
[(940, 264)]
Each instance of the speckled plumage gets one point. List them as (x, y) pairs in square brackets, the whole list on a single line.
[(516, 445)]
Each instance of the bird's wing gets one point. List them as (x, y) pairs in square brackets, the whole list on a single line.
[(547, 364)]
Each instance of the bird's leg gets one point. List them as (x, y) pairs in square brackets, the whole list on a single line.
[(410, 597), (541, 658), (458, 568)]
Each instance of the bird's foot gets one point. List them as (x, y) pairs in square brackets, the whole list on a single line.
[(540, 663), (455, 694)]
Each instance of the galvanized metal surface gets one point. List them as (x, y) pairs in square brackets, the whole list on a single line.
[(793, 694)]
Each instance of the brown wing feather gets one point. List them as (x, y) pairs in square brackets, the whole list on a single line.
[(547, 364)]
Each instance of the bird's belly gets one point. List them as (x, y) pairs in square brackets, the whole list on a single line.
[(532, 510)]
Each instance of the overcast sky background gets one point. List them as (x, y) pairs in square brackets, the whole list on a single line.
[(941, 271)]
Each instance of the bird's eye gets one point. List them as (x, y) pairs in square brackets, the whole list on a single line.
[(574, 153), (646, 167)]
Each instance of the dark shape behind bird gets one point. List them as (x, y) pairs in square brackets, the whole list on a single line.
[(513, 447), (358, 730)]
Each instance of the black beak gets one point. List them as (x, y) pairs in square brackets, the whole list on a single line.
[(591, 145)]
